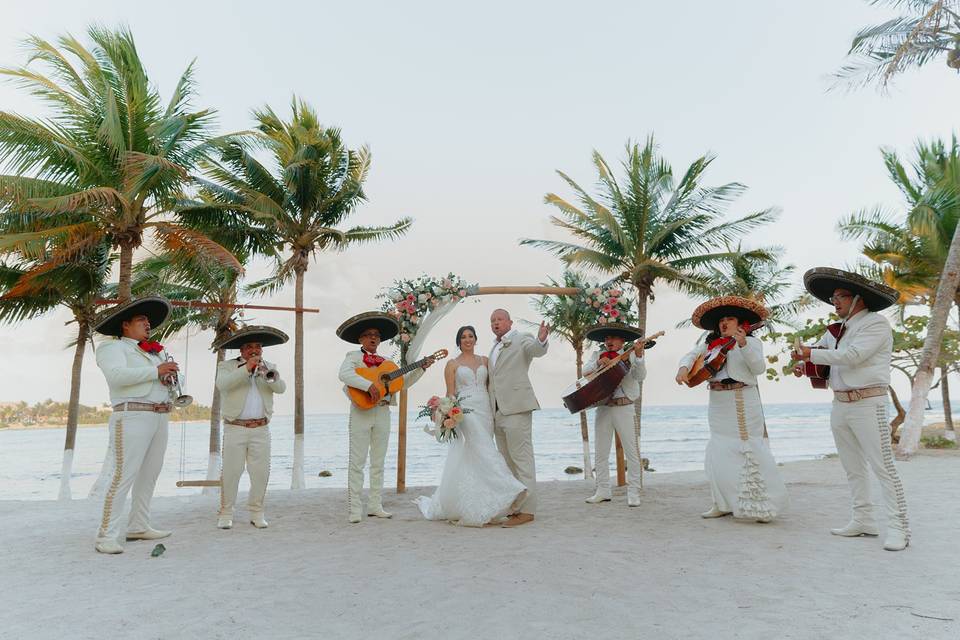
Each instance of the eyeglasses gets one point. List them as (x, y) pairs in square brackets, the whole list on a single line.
[(834, 299)]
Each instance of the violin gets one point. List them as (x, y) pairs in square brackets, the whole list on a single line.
[(819, 374)]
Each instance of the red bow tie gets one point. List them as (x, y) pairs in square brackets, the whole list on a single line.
[(150, 346), (372, 359), (610, 355)]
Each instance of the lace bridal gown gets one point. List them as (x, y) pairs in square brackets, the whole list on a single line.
[(476, 486)]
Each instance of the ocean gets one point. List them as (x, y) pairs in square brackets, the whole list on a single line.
[(673, 438)]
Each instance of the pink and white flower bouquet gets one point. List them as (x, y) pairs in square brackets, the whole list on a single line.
[(446, 413)]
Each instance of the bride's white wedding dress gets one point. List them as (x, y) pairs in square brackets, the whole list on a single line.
[(476, 486)]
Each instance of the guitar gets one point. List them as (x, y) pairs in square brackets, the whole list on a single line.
[(388, 377), (708, 364), (599, 385), (819, 374)]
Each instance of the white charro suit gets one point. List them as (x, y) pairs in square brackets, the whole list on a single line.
[(138, 439), (620, 419), (245, 446), (369, 432), (861, 360), (512, 402)]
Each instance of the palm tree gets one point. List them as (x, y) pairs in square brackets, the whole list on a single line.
[(911, 253), (109, 150), (760, 275), (651, 228), (569, 319), (312, 184), (75, 285), (882, 51)]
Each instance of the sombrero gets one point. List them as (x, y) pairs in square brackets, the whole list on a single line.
[(351, 328), (110, 322), (822, 281), (266, 336), (600, 332), (707, 315)]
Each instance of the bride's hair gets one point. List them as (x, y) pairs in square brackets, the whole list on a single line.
[(460, 333)]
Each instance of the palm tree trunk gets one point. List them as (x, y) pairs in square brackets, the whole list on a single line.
[(126, 271), (947, 408), (946, 291), (213, 462), (643, 295), (297, 481), (901, 413), (73, 410), (584, 431)]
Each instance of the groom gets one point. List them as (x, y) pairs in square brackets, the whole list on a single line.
[(513, 403)]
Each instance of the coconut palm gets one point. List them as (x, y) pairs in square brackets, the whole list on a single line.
[(311, 184), (649, 228), (108, 150), (909, 252), (75, 285), (928, 31)]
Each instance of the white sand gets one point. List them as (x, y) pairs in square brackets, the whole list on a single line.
[(579, 571)]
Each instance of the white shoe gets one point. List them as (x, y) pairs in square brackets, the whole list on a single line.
[(109, 546), (764, 520), (598, 497), (354, 518), (149, 534), (855, 529), (224, 522), (896, 540), (633, 498), (379, 513), (259, 522), (714, 513)]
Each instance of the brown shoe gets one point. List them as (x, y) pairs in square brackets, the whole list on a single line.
[(517, 519)]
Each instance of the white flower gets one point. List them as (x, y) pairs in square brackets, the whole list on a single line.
[(506, 343)]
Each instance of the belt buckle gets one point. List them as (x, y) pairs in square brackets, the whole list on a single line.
[(856, 395)]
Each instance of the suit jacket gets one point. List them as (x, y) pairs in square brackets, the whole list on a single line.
[(630, 385), (743, 364), (233, 381), (863, 356), (509, 381), (349, 377), (130, 371)]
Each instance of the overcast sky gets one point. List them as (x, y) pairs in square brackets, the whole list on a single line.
[(469, 111)]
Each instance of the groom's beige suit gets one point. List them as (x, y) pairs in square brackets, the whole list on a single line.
[(512, 403)]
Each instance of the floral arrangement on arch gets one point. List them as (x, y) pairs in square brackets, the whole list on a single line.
[(610, 304), (410, 300)]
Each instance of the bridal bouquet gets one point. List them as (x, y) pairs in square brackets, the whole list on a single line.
[(446, 414)]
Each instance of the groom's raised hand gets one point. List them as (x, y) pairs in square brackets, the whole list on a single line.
[(544, 332)]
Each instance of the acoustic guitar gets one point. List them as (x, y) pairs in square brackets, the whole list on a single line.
[(708, 364), (388, 377), (600, 384)]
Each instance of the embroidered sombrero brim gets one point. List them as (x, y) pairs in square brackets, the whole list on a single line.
[(110, 322), (265, 336), (351, 328), (821, 282), (707, 316), (600, 332)]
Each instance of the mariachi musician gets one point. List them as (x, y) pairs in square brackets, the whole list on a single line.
[(369, 429), (743, 475), (616, 413), (857, 351)]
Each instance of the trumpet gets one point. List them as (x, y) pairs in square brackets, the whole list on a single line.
[(265, 370), (177, 396)]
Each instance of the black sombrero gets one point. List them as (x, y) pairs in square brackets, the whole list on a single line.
[(266, 336), (351, 328), (600, 332), (821, 282), (110, 322), (707, 315)]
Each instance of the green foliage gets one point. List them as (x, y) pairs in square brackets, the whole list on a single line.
[(49, 412), (937, 442)]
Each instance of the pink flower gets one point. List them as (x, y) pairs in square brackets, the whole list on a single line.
[(405, 337), (616, 292), (612, 301), (597, 292), (614, 313), (411, 297), (596, 305), (446, 283), (433, 402), (607, 308), (455, 411), (602, 320), (414, 319), (448, 423), (463, 293)]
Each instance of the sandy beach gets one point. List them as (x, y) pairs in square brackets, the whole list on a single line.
[(579, 571)]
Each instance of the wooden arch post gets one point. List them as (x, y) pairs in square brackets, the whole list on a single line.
[(487, 291)]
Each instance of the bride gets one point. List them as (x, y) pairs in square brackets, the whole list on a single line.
[(476, 486)]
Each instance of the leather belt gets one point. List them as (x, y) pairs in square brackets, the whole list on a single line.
[(618, 402), (249, 424), (726, 386), (859, 394), (161, 407)]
